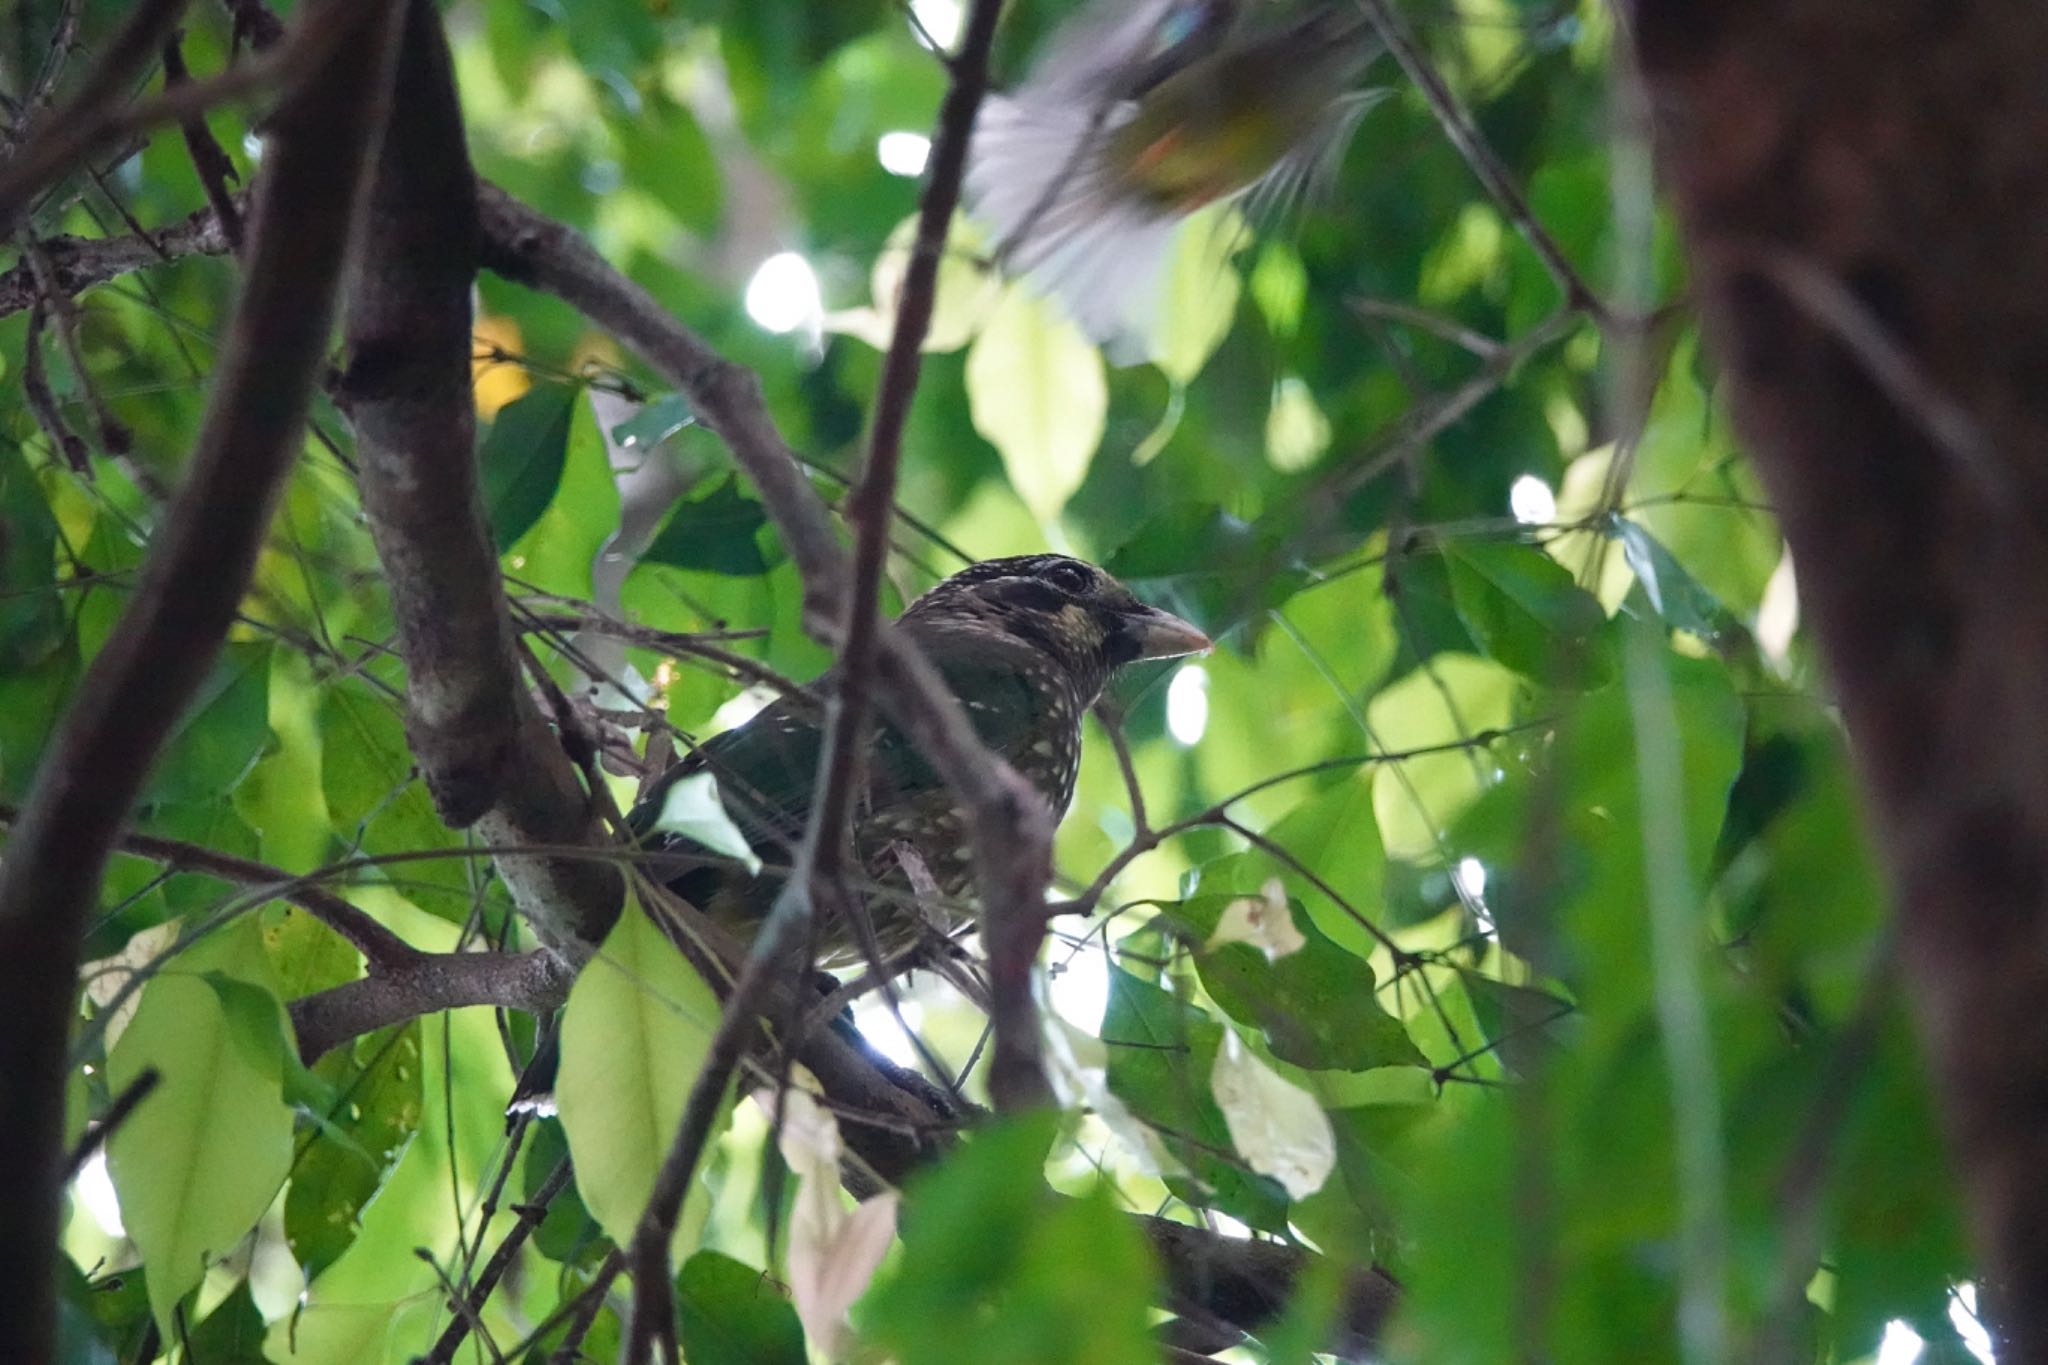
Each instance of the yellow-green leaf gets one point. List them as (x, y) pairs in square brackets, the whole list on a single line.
[(1036, 390), (636, 1030), (201, 1158), (1450, 698), (965, 291), (1200, 299)]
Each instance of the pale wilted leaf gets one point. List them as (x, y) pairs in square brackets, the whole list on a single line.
[(1276, 1126)]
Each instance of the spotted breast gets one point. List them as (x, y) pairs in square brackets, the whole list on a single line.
[(1027, 645)]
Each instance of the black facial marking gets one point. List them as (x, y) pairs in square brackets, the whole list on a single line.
[(1026, 594), (1119, 644)]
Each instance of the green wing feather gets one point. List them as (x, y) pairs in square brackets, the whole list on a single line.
[(767, 768)]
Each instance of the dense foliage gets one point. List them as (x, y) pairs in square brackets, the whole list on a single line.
[(1496, 910)]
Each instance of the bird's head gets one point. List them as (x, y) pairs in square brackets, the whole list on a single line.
[(1069, 610)]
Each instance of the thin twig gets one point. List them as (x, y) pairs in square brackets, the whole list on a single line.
[(117, 1114), (78, 263), (378, 945), (530, 1215), (1436, 324), (209, 159), (114, 436), (42, 403), (60, 142), (1464, 134), (1113, 726)]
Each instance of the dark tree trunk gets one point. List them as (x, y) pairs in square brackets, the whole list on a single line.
[(1862, 185)]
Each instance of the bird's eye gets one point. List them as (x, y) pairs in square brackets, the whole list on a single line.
[(1068, 577)]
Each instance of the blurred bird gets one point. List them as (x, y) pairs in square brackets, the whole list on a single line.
[(1140, 114), (1027, 645)]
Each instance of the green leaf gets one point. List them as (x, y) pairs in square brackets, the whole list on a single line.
[(221, 736), (718, 533), (663, 150), (1523, 609), (657, 419), (993, 1257), (1161, 1053), (1448, 699), (1199, 300), (232, 1333), (378, 806), (729, 1313), (1317, 1005), (692, 809), (1677, 596), (198, 1161), (31, 699), (523, 454), (635, 1031), (1036, 391), (31, 614), (557, 551), (353, 1147), (568, 1232), (1211, 567)]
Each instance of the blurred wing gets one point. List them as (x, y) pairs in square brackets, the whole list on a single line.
[(1059, 218)]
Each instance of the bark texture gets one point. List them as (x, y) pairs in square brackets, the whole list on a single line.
[(1862, 185)]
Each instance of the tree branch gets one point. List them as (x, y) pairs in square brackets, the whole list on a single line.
[(378, 945), (1877, 323), (78, 263), (427, 983), (185, 598), (61, 140), (486, 754)]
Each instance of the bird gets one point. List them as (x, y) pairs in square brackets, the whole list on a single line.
[(1026, 644), (1140, 114)]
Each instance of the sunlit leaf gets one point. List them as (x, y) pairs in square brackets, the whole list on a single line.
[(202, 1156), (1276, 1125), (634, 1032), (1037, 393), (1199, 299), (1161, 1053)]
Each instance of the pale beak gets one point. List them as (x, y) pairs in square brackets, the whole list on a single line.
[(1162, 635)]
